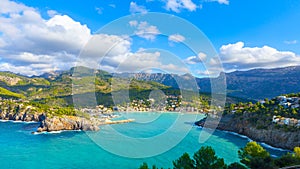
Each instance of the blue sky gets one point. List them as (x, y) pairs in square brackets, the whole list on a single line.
[(245, 34)]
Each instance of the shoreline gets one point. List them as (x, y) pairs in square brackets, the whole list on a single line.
[(160, 112), (249, 139), (54, 132), (69, 123), (19, 121), (264, 137), (110, 122)]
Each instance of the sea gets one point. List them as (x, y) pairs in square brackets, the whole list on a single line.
[(154, 138)]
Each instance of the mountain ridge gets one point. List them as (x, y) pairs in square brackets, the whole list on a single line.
[(253, 84)]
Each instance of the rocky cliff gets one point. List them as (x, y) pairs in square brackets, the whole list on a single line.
[(67, 123), (276, 137), (253, 84), (16, 115), (48, 124)]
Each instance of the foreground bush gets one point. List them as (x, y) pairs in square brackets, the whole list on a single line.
[(252, 156)]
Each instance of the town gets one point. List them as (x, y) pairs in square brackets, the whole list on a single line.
[(287, 102)]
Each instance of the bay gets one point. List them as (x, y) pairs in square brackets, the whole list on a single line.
[(77, 149)]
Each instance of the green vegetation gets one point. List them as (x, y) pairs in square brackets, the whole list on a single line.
[(260, 114), (269, 108), (206, 158), (9, 94), (184, 162), (292, 95), (255, 156), (54, 94), (252, 156), (16, 107), (58, 88)]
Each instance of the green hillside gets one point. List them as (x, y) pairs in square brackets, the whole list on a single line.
[(9, 94), (60, 88)]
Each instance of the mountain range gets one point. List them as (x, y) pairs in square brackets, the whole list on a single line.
[(253, 84)]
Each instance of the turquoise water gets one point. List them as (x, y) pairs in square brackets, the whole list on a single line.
[(74, 149)]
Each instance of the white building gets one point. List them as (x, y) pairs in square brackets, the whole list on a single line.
[(282, 98), (286, 121), (275, 119)]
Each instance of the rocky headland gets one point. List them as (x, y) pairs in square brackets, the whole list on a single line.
[(272, 135), (55, 123), (67, 123), (17, 112)]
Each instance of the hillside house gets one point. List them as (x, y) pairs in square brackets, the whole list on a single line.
[(286, 121)]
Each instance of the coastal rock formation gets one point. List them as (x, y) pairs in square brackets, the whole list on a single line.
[(67, 123), (276, 137), (20, 112), (48, 124), (21, 116)]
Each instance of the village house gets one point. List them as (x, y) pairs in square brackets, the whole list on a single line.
[(288, 102), (286, 121)]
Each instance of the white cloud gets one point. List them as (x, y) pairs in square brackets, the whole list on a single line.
[(238, 57), (212, 65), (136, 62), (211, 71), (18, 69), (29, 32), (291, 42), (107, 51), (201, 57), (112, 5), (174, 68), (99, 10), (135, 8), (226, 2), (188, 4), (114, 55), (133, 23), (203, 72), (177, 5), (52, 13), (102, 45), (145, 30), (29, 42), (176, 38), (10, 7), (33, 69)]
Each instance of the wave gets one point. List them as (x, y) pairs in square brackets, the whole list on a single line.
[(237, 134), (53, 132), (271, 147), (18, 121), (261, 143), (46, 132), (249, 139), (26, 122), (229, 132)]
